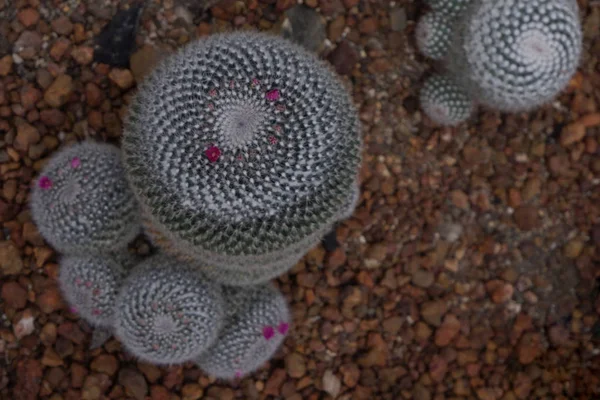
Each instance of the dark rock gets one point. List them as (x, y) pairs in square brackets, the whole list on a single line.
[(116, 42)]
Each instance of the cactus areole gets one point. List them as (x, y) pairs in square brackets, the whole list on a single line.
[(241, 145)]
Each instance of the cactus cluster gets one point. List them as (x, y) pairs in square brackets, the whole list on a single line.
[(258, 321), (90, 284), (167, 312), (509, 55), (82, 202), (243, 148)]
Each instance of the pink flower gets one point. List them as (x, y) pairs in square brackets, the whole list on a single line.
[(283, 328), (272, 95), (73, 310), (75, 162), (45, 183), (272, 139), (268, 332), (213, 153)]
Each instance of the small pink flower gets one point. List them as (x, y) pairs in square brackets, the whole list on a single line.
[(45, 183), (96, 292), (213, 92), (73, 310), (211, 106), (277, 128), (272, 139), (155, 346), (213, 153), (238, 374), (268, 332), (75, 162), (88, 284), (255, 82), (95, 311), (231, 84), (272, 95), (280, 107), (283, 328)]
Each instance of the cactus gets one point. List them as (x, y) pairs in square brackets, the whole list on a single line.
[(82, 201), (90, 284), (449, 8), (167, 312), (434, 34), (516, 55), (444, 101), (258, 321), (241, 148)]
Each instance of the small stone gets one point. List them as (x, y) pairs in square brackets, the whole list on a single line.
[(344, 58), (306, 27), (527, 218), (192, 391), (28, 17), (62, 25), (337, 258), (447, 331), (48, 334), (433, 311), (123, 78), (531, 189), (558, 335), (144, 60), (28, 40), (398, 19), (368, 25), (393, 325), (423, 278), (72, 332), (376, 253), (422, 331), (134, 383), (14, 295), (489, 393), (32, 235), (336, 28), (25, 326), (571, 134), (52, 117), (500, 291), (295, 365), (273, 384), (83, 55), (50, 300), (59, 91), (460, 199), (78, 374), (350, 374), (51, 358), (573, 248), (28, 376), (331, 384), (106, 364), (93, 94), (6, 63), (30, 95), (421, 392), (438, 368), (10, 258), (27, 135), (151, 372), (59, 48), (529, 347)]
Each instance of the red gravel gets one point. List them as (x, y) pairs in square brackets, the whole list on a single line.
[(469, 270)]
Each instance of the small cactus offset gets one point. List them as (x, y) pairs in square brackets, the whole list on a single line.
[(517, 55), (434, 34), (167, 312), (258, 321), (90, 283), (449, 8), (82, 202), (242, 147), (444, 101)]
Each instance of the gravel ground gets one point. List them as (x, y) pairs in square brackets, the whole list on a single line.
[(470, 269)]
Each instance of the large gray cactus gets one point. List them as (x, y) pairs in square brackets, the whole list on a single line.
[(167, 312), (242, 149), (514, 55), (258, 321), (82, 202)]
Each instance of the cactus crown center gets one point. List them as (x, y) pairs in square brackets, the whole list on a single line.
[(535, 46), (164, 325), (239, 123)]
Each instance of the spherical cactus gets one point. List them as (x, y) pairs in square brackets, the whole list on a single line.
[(444, 101), (241, 147), (517, 55), (82, 202), (434, 34), (90, 284), (449, 8), (257, 325), (167, 312)]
